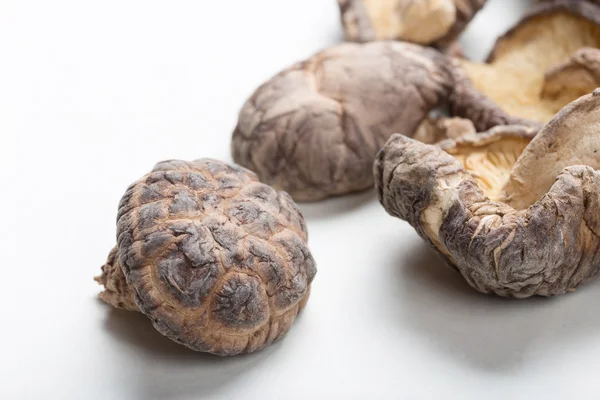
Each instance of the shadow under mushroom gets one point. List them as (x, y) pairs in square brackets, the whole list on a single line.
[(483, 331), (335, 206), (169, 370)]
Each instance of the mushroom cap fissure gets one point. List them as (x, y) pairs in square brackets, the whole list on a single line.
[(217, 260), (241, 303)]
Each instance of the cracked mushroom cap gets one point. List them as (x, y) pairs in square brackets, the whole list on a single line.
[(314, 129), (546, 61), (426, 22), (516, 217), (217, 260)]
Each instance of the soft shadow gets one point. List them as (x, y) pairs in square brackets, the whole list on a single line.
[(137, 331), (336, 205), (169, 370), (487, 331)]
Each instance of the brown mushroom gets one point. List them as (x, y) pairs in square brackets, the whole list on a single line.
[(426, 22), (217, 260), (523, 71), (116, 291), (516, 217), (314, 129)]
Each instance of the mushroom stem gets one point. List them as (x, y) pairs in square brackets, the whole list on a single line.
[(116, 291)]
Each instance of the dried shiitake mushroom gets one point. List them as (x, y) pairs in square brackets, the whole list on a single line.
[(314, 129), (217, 260), (529, 72), (427, 22), (516, 216)]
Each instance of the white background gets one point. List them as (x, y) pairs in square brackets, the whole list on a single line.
[(94, 93)]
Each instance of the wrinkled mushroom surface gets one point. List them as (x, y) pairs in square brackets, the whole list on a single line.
[(460, 199), (313, 130), (546, 61), (427, 22), (217, 260)]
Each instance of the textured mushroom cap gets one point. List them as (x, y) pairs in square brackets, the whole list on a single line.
[(437, 22), (571, 138), (546, 249), (217, 260), (522, 73), (315, 128)]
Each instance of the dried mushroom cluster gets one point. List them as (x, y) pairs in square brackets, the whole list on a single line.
[(314, 129), (495, 164)]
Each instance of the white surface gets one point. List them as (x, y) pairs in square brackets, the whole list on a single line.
[(97, 92)]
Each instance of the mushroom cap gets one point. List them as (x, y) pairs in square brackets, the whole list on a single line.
[(521, 74), (217, 260), (426, 22), (546, 249), (314, 129)]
